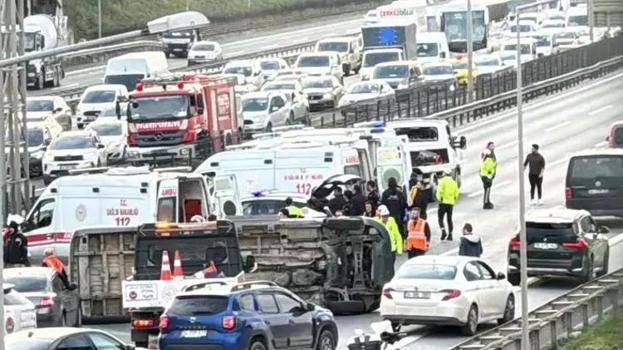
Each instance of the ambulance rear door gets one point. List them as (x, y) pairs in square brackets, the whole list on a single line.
[(226, 196), (167, 202)]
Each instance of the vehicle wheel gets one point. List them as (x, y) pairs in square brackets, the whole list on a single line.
[(269, 127), (80, 126), (514, 278), (257, 345), (471, 326), (346, 70), (589, 272), (604, 269), (509, 310), (326, 341)]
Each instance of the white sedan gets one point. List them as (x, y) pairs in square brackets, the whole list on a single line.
[(448, 291), (366, 90), (294, 91), (19, 312), (113, 134)]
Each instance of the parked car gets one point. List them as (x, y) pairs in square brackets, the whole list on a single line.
[(447, 291), (114, 135), (440, 72), (561, 242), (348, 50), (39, 107), (19, 312), (261, 111), (204, 52), (254, 315), (39, 137), (62, 338), (615, 136), (594, 182), (96, 99), (271, 66), (73, 150), (366, 91), (56, 306), (322, 92)]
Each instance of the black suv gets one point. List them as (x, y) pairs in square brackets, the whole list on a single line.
[(595, 182), (561, 242)]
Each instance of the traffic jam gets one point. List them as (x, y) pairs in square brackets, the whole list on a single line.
[(209, 211)]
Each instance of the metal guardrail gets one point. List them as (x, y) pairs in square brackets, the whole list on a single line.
[(100, 55), (557, 321)]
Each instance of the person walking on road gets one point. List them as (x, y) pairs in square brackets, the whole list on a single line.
[(447, 195), (420, 196), (396, 201), (418, 234), (395, 237), (536, 167), (52, 261), (373, 194), (15, 247), (357, 203), (488, 167), (490, 150), (471, 244)]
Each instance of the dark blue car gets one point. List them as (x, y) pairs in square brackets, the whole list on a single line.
[(253, 316)]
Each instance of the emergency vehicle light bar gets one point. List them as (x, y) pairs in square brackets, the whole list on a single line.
[(370, 124), (178, 169), (99, 170), (168, 229)]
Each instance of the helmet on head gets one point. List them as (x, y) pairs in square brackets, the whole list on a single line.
[(383, 210), (48, 251)]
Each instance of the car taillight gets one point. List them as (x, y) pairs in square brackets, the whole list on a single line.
[(142, 323), (229, 322), (451, 294), (387, 292), (164, 322), (579, 245), (514, 243), (45, 302), (568, 193)]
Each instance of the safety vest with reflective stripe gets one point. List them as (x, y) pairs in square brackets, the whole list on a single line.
[(416, 238), (295, 212), (54, 262)]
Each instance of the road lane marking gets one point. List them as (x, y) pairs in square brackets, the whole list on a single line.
[(601, 144), (602, 109), (64, 86), (480, 192), (530, 106), (558, 126), (450, 252), (85, 70)]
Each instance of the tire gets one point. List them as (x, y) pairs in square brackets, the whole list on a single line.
[(396, 327), (471, 326), (604, 269), (509, 310), (325, 341), (257, 345), (514, 278), (589, 272)]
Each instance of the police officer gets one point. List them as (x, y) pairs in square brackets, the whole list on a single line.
[(388, 221), (488, 167), (447, 194), (15, 247), (418, 234), (293, 210)]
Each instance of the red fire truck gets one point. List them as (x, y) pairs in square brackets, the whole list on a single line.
[(183, 117)]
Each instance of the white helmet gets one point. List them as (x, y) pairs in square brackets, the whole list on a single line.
[(486, 152), (383, 210)]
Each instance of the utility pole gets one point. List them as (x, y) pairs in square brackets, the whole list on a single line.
[(470, 52), (99, 19), (591, 20)]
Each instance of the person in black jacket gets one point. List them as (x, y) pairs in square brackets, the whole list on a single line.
[(396, 201), (471, 244), (15, 247), (373, 194), (338, 202), (357, 203), (420, 196)]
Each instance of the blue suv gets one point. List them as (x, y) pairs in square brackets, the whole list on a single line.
[(247, 316)]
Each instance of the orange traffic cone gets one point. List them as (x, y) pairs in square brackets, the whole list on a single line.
[(165, 270), (178, 273)]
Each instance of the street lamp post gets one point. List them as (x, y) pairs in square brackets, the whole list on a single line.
[(470, 52), (523, 253), (99, 19)]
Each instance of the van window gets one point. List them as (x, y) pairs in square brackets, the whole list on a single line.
[(167, 209), (42, 215), (597, 166), (427, 50), (419, 134), (354, 169)]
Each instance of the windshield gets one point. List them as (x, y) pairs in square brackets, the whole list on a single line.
[(575, 21), (565, 35), (400, 71), (265, 206), (281, 86), (364, 89), (128, 80), (438, 70), (35, 137), (204, 47), (597, 167), (543, 41), (525, 48), (372, 59), (419, 134), (522, 28), (427, 50), (100, 96), (25, 284), (243, 70), (255, 104), (198, 305), (72, 142), (29, 42), (157, 107), (107, 129), (317, 84), (333, 46), (313, 61), (39, 106), (269, 65), (455, 25), (487, 61), (427, 272), (553, 25)]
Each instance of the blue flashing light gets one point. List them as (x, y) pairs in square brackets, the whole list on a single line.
[(388, 36), (257, 194), (377, 124)]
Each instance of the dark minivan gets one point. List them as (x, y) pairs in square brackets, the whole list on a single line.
[(595, 182)]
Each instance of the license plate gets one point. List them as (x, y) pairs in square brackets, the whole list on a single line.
[(194, 334), (66, 167), (598, 191), (545, 245), (417, 295)]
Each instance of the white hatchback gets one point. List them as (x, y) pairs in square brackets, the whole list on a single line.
[(448, 291), (19, 312)]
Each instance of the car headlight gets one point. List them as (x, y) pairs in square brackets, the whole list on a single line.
[(365, 77), (37, 154), (327, 96), (184, 151)]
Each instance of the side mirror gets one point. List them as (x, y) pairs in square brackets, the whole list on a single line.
[(501, 276), (310, 307), (250, 264), (101, 146), (442, 54), (45, 146), (58, 110)]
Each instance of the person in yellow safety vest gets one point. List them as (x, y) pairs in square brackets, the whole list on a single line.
[(487, 174), (392, 228), (418, 235), (447, 194), (294, 212)]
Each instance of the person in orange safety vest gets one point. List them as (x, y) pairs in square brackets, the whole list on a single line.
[(418, 234), (52, 261)]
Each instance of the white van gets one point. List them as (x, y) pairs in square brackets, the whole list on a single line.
[(375, 56), (432, 47), (117, 197), (133, 67)]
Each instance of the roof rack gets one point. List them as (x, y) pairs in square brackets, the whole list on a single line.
[(202, 285), (250, 284), (99, 170)]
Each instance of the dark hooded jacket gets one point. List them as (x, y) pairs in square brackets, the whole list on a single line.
[(471, 245)]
